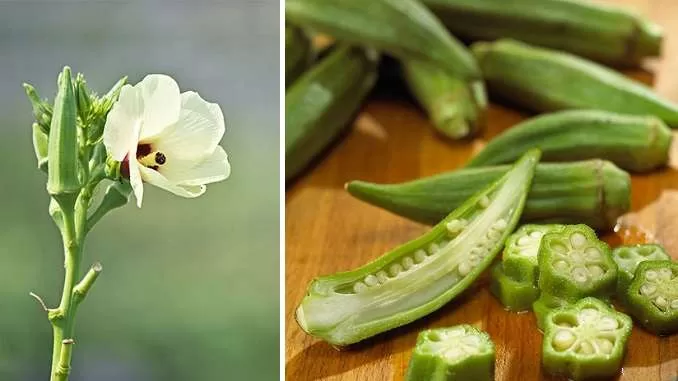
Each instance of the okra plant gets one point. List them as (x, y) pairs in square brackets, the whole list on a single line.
[(146, 133)]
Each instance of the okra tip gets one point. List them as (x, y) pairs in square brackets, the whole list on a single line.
[(648, 40), (480, 49), (615, 191)]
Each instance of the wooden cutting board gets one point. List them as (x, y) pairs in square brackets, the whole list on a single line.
[(392, 141)]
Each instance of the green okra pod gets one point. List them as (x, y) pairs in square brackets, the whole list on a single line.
[(628, 258), (514, 295), (403, 28), (422, 275), (545, 80), (456, 108), (298, 53), (585, 341), (652, 297), (594, 192), (322, 101), (604, 33), (461, 352), (634, 143)]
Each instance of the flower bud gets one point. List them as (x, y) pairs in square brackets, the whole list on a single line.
[(83, 98), (40, 144), (41, 109)]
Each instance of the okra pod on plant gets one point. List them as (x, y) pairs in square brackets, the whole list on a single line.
[(652, 297), (298, 53), (514, 295), (521, 249), (602, 32), (461, 352), (574, 263), (628, 258), (586, 340), (456, 107), (320, 103), (546, 80), (594, 192), (403, 28), (634, 143), (422, 275)]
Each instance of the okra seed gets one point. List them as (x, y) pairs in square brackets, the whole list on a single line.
[(651, 275), (484, 202), (524, 241), (577, 240), (596, 271), (382, 276), (661, 302), (454, 353), (371, 280), (587, 315), (536, 235), (433, 249), (561, 266), (586, 348), (474, 259), (359, 287), (647, 289), (420, 256), (592, 254), (501, 224), (455, 226), (471, 341), (559, 248), (477, 251), (395, 269), (608, 324), (464, 268), (443, 243), (407, 263), (604, 346), (563, 339), (665, 274), (674, 304), (579, 274), (493, 234)]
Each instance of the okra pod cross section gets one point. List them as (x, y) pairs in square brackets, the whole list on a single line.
[(628, 258), (422, 275), (652, 297), (521, 251), (514, 295), (459, 353)]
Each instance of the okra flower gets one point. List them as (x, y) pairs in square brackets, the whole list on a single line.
[(166, 138)]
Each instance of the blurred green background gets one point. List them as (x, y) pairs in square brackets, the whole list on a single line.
[(190, 287)]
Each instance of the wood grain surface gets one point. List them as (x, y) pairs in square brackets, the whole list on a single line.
[(392, 141)]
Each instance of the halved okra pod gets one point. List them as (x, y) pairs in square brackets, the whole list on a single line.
[(514, 295), (585, 341), (547, 80), (628, 258), (461, 352), (634, 143), (652, 297), (422, 275), (574, 263), (298, 53), (604, 33), (403, 28), (594, 192), (322, 101), (456, 108)]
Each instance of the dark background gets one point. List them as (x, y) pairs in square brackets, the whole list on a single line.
[(189, 289)]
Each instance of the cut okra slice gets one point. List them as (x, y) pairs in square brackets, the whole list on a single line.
[(422, 275), (458, 353), (628, 258), (574, 263), (586, 340), (544, 305), (514, 295), (521, 249), (652, 297)]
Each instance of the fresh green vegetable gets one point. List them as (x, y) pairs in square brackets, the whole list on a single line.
[(460, 353), (601, 32), (322, 101), (585, 341), (628, 258), (634, 143), (403, 28), (574, 263), (422, 275), (547, 80), (514, 295), (594, 192), (298, 53), (652, 297), (544, 305), (456, 108), (521, 249)]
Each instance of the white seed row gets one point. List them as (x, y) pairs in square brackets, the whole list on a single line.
[(455, 227), (478, 253)]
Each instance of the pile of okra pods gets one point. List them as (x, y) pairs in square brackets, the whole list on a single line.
[(536, 193)]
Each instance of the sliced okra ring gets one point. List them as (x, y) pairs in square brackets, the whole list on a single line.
[(521, 249), (462, 352), (544, 305), (515, 296), (628, 258), (422, 275), (652, 297), (585, 340), (574, 263)]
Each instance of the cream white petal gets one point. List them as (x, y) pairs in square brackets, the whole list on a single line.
[(197, 132), (162, 103), (155, 178), (125, 116), (210, 169)]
